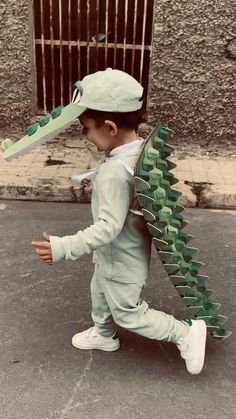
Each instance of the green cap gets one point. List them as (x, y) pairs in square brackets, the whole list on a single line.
[(110, 91)]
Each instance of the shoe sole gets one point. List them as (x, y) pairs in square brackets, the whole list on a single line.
[(101, 348), (201, 345)]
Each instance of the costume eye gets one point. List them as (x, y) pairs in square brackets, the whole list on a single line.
[(78, 92)]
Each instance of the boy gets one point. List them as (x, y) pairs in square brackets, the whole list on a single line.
[(118, 236)]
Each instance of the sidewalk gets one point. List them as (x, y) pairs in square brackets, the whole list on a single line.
[(45, 175), (42, 376)]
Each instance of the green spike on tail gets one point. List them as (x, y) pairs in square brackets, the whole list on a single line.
[(165, 223)]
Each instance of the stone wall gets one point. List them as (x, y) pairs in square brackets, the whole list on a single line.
[(15, 63), (194, 69), (192, 82)]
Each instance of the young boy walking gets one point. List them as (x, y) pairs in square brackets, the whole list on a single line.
[(111, 102)]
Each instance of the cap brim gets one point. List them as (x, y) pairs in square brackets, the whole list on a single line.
[(49, 131)]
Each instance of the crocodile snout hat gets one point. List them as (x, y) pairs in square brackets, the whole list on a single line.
[(109, 90)]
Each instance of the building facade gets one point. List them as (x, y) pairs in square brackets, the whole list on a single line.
[(184, 53)]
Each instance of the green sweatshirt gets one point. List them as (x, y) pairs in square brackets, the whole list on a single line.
[(119, 238)]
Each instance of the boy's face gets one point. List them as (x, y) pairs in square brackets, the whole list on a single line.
[(100, 136)]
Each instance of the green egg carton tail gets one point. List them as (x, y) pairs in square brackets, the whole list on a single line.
[(221, 336), (141, 184), (171, 268), (189, 300), (165, 223), (145, 199), (211, 328), (177, 279), (195, 309)]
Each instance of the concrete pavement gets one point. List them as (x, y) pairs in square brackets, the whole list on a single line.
[(206, 180), (43, 377)]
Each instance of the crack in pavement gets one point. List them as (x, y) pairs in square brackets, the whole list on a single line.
[(70, 403)]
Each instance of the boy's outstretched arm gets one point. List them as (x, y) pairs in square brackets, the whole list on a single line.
[(114, 198), (43, 249)]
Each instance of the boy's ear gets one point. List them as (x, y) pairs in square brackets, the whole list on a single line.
[(112, 127)]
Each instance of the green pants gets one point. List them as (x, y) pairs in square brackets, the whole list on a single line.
[(119, 303)]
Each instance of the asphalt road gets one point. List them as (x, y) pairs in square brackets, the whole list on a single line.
[(41, 307)]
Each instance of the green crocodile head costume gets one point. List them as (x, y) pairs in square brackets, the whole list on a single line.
[(110, 90), (116, 91)]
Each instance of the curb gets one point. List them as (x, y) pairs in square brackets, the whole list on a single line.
[(45, 175), (214, 197), (46, 190), (63, 190)]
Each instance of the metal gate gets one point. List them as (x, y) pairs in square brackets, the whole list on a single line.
[(76, 37)]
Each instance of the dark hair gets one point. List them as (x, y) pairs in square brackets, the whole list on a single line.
[(129, 120)]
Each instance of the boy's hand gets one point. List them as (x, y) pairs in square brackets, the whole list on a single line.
[(43, 249)]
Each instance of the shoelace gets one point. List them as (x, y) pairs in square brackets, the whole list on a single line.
[(182, 344), (183, 347), (91, 332)]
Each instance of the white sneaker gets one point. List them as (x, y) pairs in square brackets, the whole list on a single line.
[(192, 346), (90, 339)]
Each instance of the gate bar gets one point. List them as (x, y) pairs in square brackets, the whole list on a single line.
[(92, 44), (52, 54), (70, 54), (106, 32), (43, 55), (61, 54), (134, 35), (78, 37), (97, 31), (88, 32), (125, 33), (115, 40), (143, 40)]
